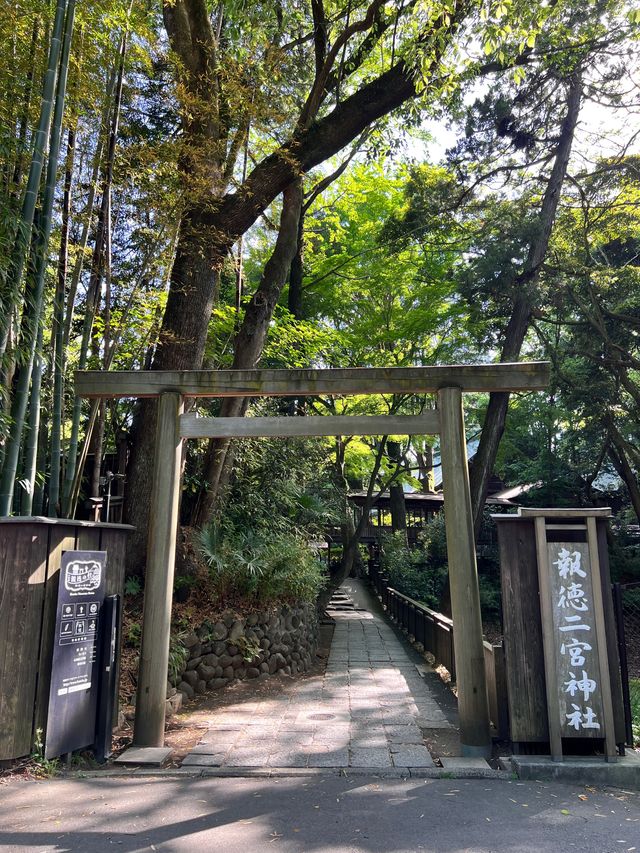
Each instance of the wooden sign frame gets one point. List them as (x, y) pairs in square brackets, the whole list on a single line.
[(557, 522)]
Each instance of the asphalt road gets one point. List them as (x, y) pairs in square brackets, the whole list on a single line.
[(320, 814)]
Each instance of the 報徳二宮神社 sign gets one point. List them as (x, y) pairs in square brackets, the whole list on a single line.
[(578, 683)]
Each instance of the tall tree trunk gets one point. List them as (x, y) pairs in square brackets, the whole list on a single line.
[(251, 337), (23, 121), (294, 301), (494, 422), (102, 143), (398, 508), (621, 464)]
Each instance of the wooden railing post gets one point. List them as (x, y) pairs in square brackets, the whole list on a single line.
[(473, 709), (158, 591)]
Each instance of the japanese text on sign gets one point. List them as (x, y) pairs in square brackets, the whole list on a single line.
[(573, 618)]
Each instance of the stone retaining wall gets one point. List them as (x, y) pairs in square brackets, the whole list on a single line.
[(239, 647)]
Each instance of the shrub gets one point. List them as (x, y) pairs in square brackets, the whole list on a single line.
[(422, 572), (411, 571), (261, 566)]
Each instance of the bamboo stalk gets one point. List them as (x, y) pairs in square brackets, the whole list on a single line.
[(71, 486), (29, 463), (58, 335), (25, 225), (33, 312)]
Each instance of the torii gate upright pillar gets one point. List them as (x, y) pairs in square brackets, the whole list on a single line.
[(473, 707), (158, 588)]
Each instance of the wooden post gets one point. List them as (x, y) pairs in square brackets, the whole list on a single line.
[(473, 707), (548, 639), (601, 636), (156, 620)]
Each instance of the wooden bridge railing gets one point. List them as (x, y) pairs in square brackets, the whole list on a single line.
[(434, 632)]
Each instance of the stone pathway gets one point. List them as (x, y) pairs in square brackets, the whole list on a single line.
[(367, 711)]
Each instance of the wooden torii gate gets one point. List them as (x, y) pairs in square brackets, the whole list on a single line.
[(448, 382)]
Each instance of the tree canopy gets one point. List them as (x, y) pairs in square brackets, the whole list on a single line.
[(188, 184)]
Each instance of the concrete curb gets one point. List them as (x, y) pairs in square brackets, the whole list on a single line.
[(292, 772)]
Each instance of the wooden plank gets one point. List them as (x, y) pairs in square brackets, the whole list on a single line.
[(473, 708), (499, 665), (521, 376), (191, 426), (524, 675), (161, 550), (603, 658), (88, 539), (548, 639), (611, 632), (52, 522), (598, 512), (62, 537), (23, 563)]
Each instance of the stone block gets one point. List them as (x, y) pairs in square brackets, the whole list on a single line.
[(237, 630), (147, 756), (191, 677), (219, 631), (190, 640), (206, 672)]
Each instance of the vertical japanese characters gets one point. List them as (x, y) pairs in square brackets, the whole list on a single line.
[(573, 619)]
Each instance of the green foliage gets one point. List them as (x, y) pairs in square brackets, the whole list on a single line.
[(413, 572), (133, 636), (132, 586), (42, 767), (634, 690), (178, 657), (261, 566), (249, 648), (422, 572)]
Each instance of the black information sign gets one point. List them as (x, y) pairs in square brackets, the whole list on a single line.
[(73, 696)]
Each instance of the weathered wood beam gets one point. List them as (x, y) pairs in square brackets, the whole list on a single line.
[(473, 706), (522, 376), (191, 426), (148, 728)]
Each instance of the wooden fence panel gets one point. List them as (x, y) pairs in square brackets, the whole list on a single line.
[(30, 555), (62, 538), (23, 566), (528, 717)]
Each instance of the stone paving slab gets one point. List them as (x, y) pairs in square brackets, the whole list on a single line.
[(364, 712)]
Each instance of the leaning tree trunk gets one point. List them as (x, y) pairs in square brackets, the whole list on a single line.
[(181, 347), (211, 226), (351, 533), (250, 340), (495, 418)]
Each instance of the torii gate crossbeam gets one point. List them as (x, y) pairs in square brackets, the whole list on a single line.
[(448, 382)]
